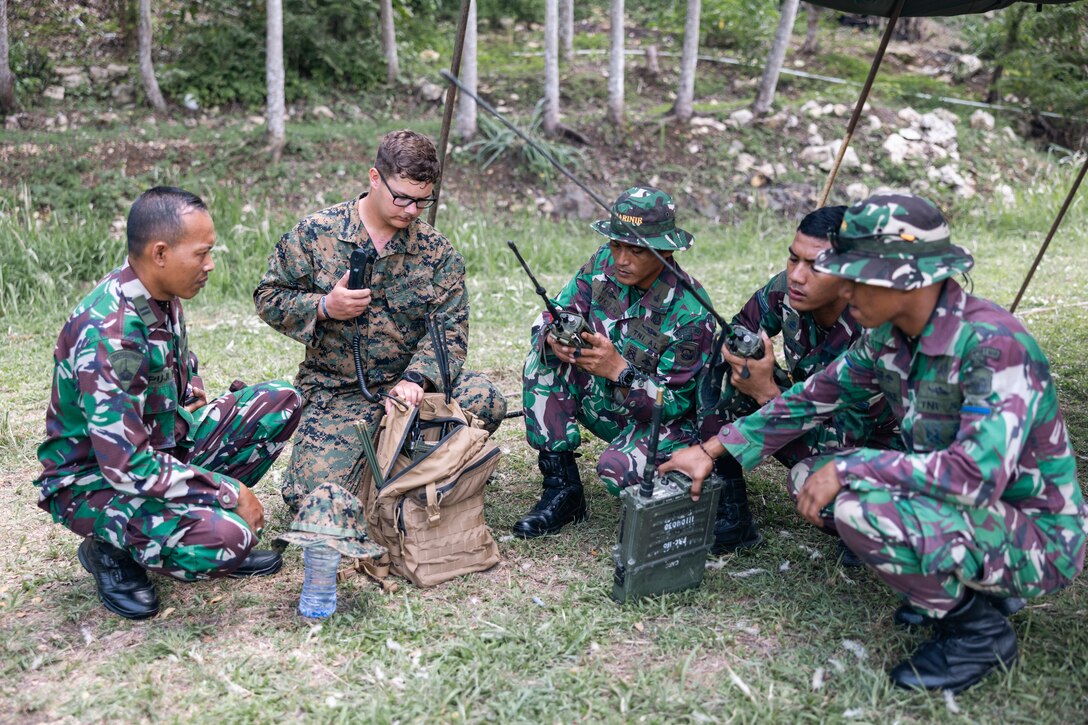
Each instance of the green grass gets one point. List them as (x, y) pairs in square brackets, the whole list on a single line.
[(481, 648)]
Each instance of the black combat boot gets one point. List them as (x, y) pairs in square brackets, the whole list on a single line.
[(734, 527), (971, 640), (260, 562), (906, 616), (123, 585), (562, 502), (847, 557)]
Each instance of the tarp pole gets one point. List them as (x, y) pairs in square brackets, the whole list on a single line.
[(451, 98), (1050, 235), (892, 19)]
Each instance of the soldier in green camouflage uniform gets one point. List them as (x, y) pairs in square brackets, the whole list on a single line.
[(807, 308), (984, 504), (136, 458), (647, 334), (416, 273)]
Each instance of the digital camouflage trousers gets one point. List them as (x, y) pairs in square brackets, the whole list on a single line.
[(556, 399), (238, 435), (928, 550)]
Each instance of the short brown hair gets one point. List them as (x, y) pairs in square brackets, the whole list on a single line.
[(408, 154)]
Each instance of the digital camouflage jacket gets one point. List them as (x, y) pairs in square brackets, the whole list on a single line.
[(978, 414), (122, 368), (665, 332), (417, 272)]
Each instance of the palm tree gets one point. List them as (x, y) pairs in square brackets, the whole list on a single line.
[(615, 65), (689, 56), (769, 82), (277, 135)]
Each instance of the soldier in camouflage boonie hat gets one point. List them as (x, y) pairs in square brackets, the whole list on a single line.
[(899, 241), (330, 515), (645, 217)]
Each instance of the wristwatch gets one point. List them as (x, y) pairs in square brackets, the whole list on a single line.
[(627, 377), (413, 377)]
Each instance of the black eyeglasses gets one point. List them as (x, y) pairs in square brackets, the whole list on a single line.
[(404, 201)]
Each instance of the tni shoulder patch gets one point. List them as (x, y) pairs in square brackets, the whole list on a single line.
[(126, 366)]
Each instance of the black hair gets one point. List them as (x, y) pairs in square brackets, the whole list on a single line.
[(821, 222), (157, 214)]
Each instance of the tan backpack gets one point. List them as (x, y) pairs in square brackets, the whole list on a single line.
[(428, 508)]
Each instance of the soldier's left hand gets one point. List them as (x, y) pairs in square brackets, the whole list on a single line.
[(600, 357), (200, 402), (408, 392), (819, 489), (760, 383)]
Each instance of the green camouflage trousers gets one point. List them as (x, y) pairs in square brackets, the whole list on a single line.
[(557, 399), (326, 448), (928, 550), (237, 436)]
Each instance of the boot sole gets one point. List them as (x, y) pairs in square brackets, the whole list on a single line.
[(105, 602)]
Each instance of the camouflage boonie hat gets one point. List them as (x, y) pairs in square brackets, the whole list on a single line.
[(646, 212), (332, 516), (899, 241)]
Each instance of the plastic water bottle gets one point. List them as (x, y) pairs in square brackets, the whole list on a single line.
[(318, 598)]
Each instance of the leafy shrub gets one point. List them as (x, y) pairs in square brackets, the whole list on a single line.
[(327, 44), (496, 142)]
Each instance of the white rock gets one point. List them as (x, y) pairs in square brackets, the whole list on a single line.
[(779, 169), (945, 115), (323, 112), (428, 55), (910, 134), (982, 120), (1009, 133), (116, 70), (937, 130), (54, 92), (74, 80), (430, 92), (897, 148), (841, 110), (909, 115), (857, 191), (735, 147), (694, 148), (706, 122), (255, 120), (827, 109), (811, 109), (98, 73), (767, 169), (67, 70), (875, 123), (744, 163), (190, 102), (107, 117), (968, 65), (793, 121), (1006, 193), (742, 117)]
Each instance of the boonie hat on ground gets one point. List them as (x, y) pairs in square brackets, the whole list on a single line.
[(900, 241), (332, 516)]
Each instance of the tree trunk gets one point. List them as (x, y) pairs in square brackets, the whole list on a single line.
[(465, 124), (147, 71), (769, 82), (811, 46), (273, 73), (689, 57), (566, 29), (653, 66), (551, 67), (389, 42), (7, 79), (615, 65), (1012, 38)]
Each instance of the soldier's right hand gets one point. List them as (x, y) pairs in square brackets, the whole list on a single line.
[(343, 303), (694, 462), (565, 353), (759, 382), (250, 508)]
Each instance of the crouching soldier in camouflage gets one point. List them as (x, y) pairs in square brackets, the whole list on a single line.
[(984, 504), (136, 458), (648, 334), (806, 306), (416, 273)]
